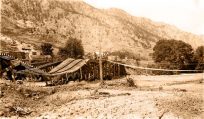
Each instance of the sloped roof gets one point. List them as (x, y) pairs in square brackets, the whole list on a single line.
[(49, 64), (29, 69), (68, 66), (33, 71)]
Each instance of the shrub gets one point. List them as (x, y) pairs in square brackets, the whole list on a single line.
[(73, 49), (47, 49)]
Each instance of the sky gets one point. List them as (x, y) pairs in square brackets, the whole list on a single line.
[(187, 15)]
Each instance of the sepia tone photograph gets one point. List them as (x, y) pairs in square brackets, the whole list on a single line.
[(102, 59)]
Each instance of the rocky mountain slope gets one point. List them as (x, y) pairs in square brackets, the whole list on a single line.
[(54, 21)]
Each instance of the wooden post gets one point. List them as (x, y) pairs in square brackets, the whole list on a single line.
[(104, 69), (67, 79), (113, 70), (66, 76), (93, 69), (118, 70), (81, 76), (12, 73), (97, 72), (13, 76), (108, 69), (85, 72), (100, 61)]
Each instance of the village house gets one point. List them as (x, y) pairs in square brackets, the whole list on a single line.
[(28, 50)]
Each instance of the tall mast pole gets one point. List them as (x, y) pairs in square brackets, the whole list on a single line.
[(100, 61)]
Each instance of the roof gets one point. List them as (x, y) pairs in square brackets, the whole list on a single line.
[(68, 66), (19, 62), (6, 57), (29, 69), (32, 71), (49, 64)]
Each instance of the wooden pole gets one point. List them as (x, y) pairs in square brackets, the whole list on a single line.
[(81, 76), (100, 62), (66, 77), (118, 70), (113, 70)]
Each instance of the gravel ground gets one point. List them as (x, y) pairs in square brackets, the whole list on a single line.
[(152, 98), (136, 104)]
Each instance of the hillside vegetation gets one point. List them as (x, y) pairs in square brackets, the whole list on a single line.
[(54, 21)]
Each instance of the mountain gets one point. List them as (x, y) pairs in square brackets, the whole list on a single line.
[(54, 21)]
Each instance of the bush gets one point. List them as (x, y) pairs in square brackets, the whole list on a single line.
[(47, 49), (73, 49)]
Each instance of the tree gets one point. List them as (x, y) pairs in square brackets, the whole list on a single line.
[(47, 49), (73, 49), (176, 54), (199, 57)]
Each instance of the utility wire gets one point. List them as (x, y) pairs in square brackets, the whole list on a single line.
[(154, 69)]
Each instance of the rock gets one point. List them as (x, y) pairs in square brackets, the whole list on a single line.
[(18, 89), (19, 82), (104, 93), (160, 88), (52, 91), (8, 105), (22, 111), (83, 82), (27, 95), (34, 94), (131, 82), (1, 113), (1, 94), (71, 82)]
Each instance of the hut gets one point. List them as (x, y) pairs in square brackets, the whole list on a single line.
[(85, 69)]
